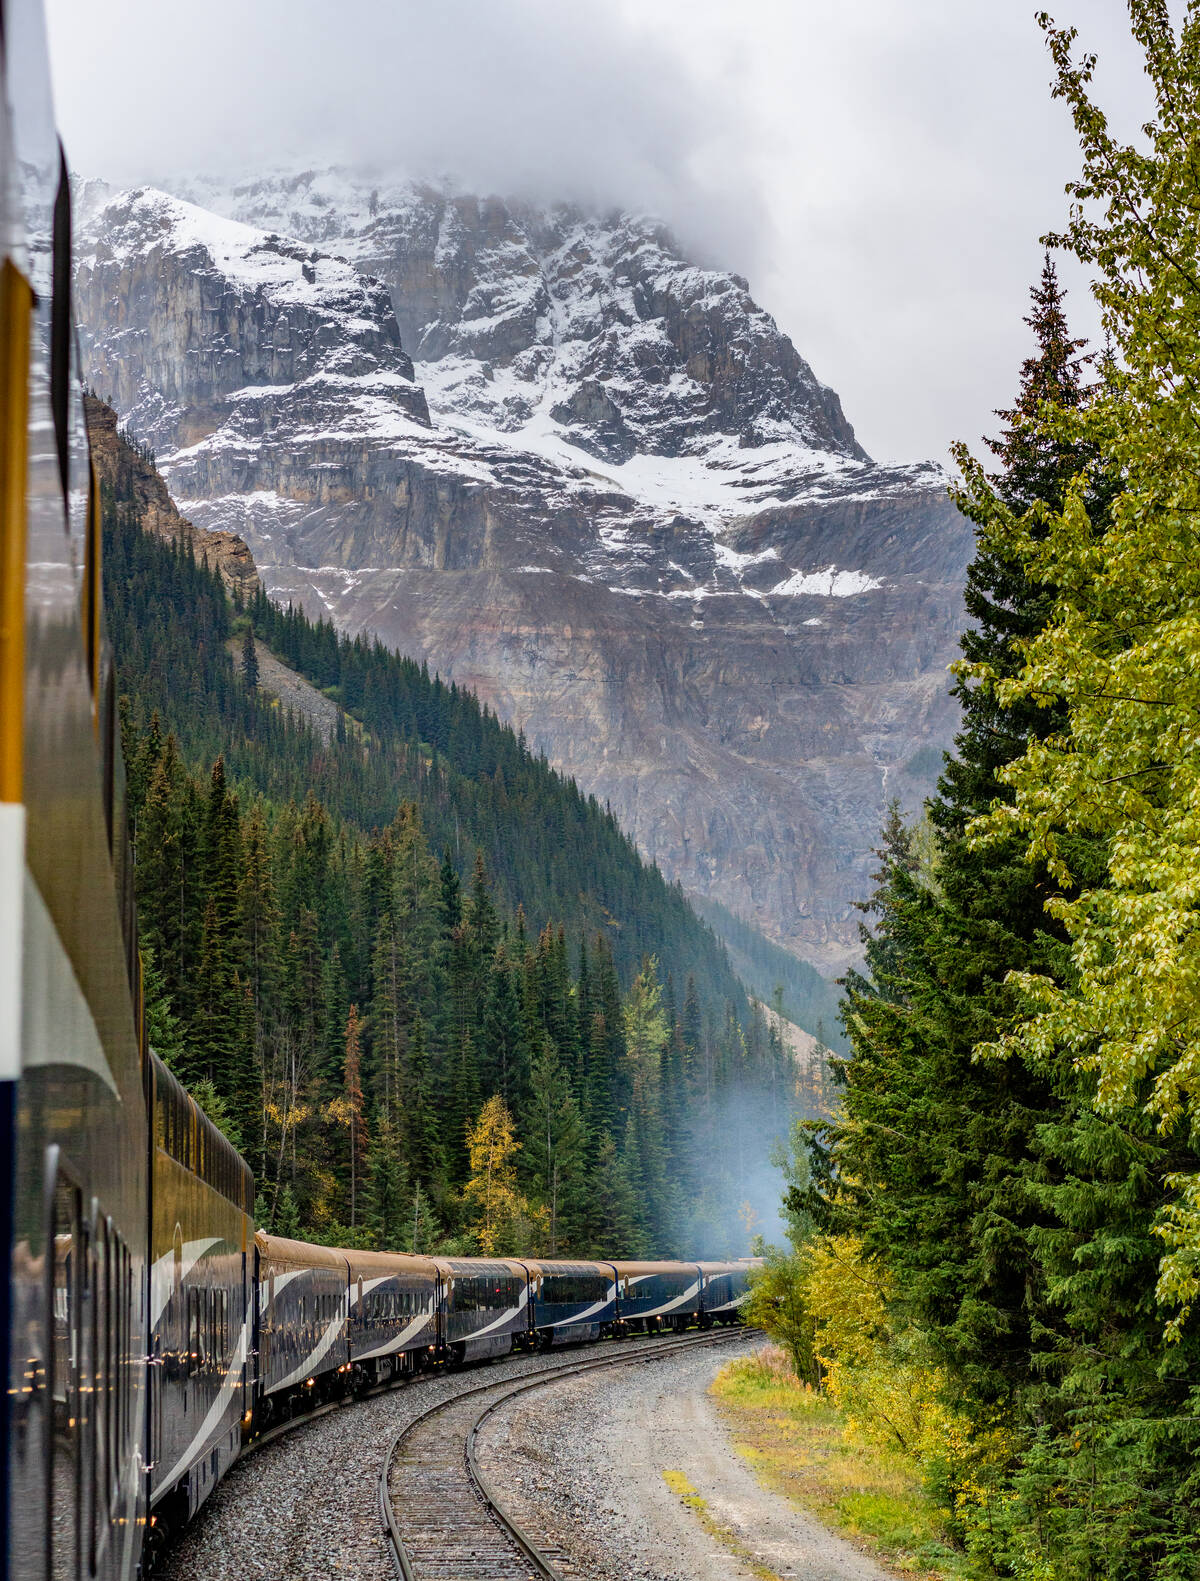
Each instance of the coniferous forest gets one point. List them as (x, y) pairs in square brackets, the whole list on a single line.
[(996, 1242), (428, 988)]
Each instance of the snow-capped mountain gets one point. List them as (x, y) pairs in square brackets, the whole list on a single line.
[(607, 493)]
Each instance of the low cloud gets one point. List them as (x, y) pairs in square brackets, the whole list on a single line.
[(881, 173)]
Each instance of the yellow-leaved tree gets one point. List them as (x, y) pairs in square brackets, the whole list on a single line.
[(502, 1221)]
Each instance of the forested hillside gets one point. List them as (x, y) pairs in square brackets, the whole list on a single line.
[(997, 1242), (777, 977), (413, 957)]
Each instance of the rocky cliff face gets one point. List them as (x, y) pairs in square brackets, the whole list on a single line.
[(630, 516), (597, 325), (130, 476)]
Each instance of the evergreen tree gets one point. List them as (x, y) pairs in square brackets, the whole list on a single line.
[(286, 1218), (953, 1138), (386, 1214), (422, 1125), (355, 1121), (613, 1221), (249, 659), (503, 1055), (555, 1153)]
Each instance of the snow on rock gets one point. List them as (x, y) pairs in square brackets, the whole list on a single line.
[(598, 496), (256, 319), (830, 583)]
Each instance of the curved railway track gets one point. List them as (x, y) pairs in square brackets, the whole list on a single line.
[(443, 1519)]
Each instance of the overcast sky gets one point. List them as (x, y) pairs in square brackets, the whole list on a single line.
[(881, 170)]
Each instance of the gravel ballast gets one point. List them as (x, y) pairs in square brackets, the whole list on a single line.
[(584, 1461), (306, 1506)]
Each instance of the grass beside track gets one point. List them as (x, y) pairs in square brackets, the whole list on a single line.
[(687, 1494), (798, 1445)]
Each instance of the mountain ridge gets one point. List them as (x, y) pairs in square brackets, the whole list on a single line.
[(739, 645)]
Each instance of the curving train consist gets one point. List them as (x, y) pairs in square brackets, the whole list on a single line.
[(246, 1329), (151, 1332)]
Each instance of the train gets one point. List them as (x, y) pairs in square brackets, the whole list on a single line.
[(153, 1331)]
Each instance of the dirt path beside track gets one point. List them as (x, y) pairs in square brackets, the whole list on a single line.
[(635, 1475)]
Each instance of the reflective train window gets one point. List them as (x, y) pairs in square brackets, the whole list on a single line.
[(64, 1382), (109, 1275), (93, 1394)]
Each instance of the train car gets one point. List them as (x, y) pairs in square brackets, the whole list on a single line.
[(395, 1301), (73, 1123), (201, 1304), (484, 1308), (571, 1303), (303, 1326), (653, 1296), (723, 1288)]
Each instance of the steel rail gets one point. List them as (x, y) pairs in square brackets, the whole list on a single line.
[(533, 1556)]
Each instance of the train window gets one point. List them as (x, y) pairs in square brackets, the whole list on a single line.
[(109, 1330), (64, 1383), (93, 1388), (125, 1402), (106, 1382), (195, 1341)]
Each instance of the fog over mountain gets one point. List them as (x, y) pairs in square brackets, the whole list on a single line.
[(881, 174)]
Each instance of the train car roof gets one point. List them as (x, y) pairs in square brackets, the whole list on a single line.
[(480, 1265), (741, 1265), (282, 1250), (654, 1268), (540, 1265), (376, 1264)]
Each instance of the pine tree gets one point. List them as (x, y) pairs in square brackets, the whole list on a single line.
[(163, 1031), (386, 1214), (286, 1218), (956, 1214), (422, 1126), (249, 658), (555, 1155), (421, 1223), (356, 1123), (613, 1220), (503, 1053)]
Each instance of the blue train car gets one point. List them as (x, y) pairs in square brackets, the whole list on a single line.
[(724, 1287), (395, 1302), (484, 1309), (653, 1296), (303, 1325), (571, 1303)]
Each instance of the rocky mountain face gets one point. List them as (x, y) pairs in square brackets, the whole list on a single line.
[(607, 493), (131, 477)]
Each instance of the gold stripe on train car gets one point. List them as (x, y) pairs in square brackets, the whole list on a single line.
[(16, 312)]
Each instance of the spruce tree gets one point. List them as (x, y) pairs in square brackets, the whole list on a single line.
[(942, 1142), (554, 1155), (423, 1148), (249, 658)]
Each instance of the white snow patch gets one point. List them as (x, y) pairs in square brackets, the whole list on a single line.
[(830, 583), (734, 560)]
